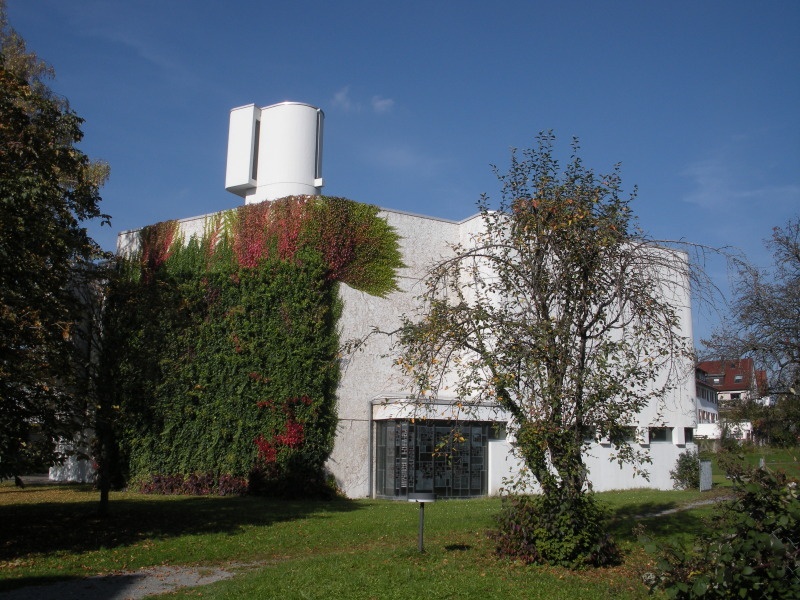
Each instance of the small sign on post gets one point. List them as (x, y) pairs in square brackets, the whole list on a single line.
[(422, 498)]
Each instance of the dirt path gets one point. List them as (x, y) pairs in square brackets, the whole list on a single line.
[(124, 586), (690, 506)]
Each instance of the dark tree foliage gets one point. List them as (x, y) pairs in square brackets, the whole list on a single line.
[(48, 190), (765, 325)]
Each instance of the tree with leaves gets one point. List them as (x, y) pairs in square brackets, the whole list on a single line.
[(563, 313), (49, 189), (765, 324)]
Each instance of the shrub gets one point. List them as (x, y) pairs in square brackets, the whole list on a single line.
[(555, 531), (686, 474), (229, 485), (196, 484), (751, 548), (291, 484)]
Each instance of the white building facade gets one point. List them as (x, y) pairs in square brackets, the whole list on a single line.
[(385, 443)]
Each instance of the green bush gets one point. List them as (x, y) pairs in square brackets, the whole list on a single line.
[(750, 549), (555, 531), (196, 484), (686, 474)]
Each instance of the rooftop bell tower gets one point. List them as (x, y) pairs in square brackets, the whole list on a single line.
[(275, 151)]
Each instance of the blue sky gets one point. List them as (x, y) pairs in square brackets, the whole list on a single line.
[(699, 101)]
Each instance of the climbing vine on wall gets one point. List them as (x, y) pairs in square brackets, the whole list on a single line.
[(222, 350), (156, 243), (357, 248)]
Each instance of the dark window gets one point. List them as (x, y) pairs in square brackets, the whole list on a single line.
[(660, 434), (688, 434), (318, 153), (446, 458), (256, 141)]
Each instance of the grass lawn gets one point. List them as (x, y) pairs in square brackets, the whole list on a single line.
[(777, 459), (338, 549), (783, 459)]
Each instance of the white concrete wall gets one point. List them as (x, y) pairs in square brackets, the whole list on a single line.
[(503, 466), (368, 374), (128, 241), (604, 474), (74, 469)]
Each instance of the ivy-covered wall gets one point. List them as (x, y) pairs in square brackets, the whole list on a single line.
[(221, 350)]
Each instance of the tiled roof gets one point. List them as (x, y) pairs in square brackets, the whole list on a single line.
[(731, 375)]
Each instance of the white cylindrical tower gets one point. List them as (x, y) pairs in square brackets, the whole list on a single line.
[(275, 151)]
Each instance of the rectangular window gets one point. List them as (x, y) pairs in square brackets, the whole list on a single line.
[(256, 142), (660, 434), (688, 434), (318, 153), (446, 458)]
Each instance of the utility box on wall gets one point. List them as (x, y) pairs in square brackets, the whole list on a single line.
[(275, 151)]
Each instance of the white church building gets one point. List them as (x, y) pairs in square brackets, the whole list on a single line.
[(384, 444)]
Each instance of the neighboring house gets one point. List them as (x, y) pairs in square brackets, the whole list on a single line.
[(707, 407), (735, 380), (385, 443)]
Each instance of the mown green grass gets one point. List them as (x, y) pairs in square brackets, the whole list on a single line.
[(336, 549), (783, 459), (777, 459)]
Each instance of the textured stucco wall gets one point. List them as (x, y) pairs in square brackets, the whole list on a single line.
[(368, 374)]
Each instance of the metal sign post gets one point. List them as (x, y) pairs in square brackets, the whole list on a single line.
[(422, 499)]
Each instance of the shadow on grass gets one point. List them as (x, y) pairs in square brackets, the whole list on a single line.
[(458, 547), (674, 524), (140, 584), (48, 527), (642, 509), (41, 588)]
